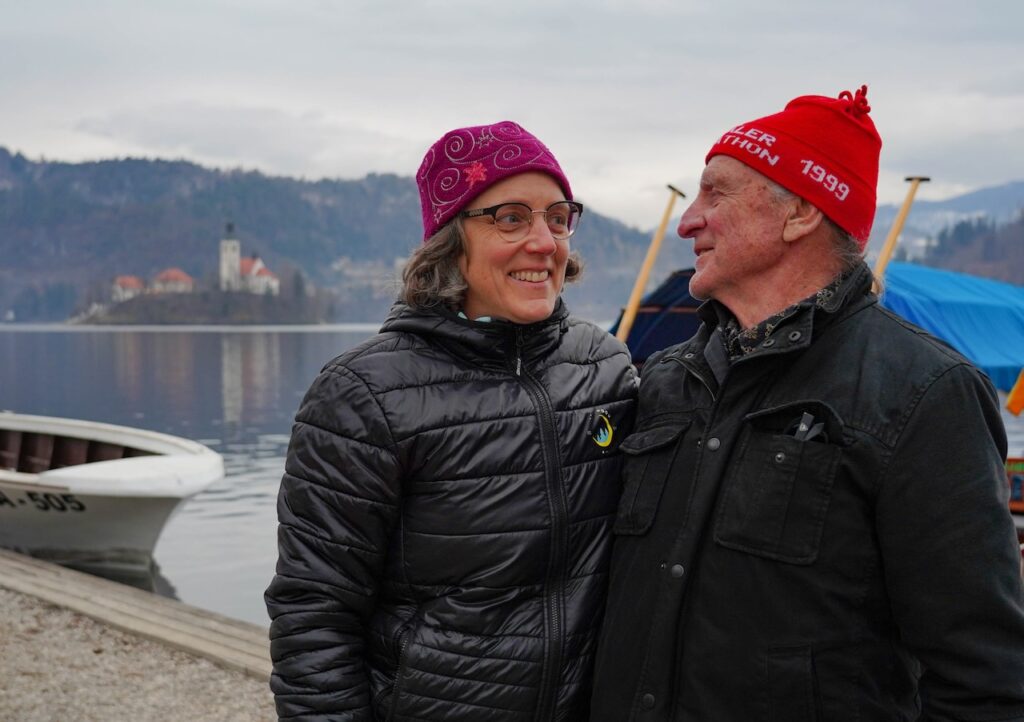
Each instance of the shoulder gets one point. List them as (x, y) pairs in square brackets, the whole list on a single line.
[(372, 351), (353, 379), (586, 341), (904, 345), (890, 373)]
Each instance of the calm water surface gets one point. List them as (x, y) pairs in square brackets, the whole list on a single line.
[(233, 389)]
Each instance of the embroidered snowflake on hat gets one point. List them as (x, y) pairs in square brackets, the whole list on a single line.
[(475, 173)]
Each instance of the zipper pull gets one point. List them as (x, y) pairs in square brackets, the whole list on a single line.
[(519, 352)]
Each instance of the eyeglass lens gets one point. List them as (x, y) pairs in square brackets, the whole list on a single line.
[(513, 218)]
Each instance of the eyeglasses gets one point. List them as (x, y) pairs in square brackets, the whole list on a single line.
[(513, 220)]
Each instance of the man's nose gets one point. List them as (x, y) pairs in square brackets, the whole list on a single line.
[(691, 222)]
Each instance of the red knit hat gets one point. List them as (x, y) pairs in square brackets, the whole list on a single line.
[(825, 150), (467, 161)]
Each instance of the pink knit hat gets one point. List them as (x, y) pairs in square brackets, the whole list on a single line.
[(467, 161)]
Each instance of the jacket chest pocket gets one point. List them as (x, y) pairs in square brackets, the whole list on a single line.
[(778, 488), (648, 456)]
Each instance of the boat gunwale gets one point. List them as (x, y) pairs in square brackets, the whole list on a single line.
[(143, 439)]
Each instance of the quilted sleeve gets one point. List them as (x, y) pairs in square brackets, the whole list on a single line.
[(336, 507)]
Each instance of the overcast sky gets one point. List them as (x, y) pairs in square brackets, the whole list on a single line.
[(629, 94)]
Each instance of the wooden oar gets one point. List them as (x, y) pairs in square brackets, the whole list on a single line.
[(897, 226), (629, 313)]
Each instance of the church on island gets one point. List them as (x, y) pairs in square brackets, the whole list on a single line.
[(237, 275), (245, 275)]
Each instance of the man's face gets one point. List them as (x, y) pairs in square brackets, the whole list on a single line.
[(736, 225)]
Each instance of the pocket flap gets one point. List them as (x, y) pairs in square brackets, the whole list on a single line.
[(783, 419), (642, 442)]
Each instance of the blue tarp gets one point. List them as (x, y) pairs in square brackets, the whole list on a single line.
[(666, 316), (982, 319)]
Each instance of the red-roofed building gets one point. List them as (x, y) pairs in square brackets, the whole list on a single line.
[(173, 280), (248, 275), (257, 278), (126, 287)]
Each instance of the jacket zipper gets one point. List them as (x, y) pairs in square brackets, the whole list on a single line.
[(406, 634), (696, 373), (555, 582)]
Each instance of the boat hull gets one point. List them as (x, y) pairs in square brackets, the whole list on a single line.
[(105, 513), (83, 530)]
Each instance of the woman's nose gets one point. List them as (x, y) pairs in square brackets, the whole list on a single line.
[(539, 238)]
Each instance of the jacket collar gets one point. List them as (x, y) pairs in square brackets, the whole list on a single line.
[(480, 340), (796, 331)]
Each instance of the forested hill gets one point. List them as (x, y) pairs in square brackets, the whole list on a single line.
[(67, 227), (143, 215)]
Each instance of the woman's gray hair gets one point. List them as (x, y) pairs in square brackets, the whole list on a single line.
[(846, 247), (432, 276)]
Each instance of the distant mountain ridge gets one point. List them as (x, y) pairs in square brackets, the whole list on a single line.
[(1000, 204), (67, 229)]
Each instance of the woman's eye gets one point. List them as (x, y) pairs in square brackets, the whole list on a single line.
[(510, 216)]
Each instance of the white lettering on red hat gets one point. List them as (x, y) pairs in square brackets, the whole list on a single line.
[(754, 134), (750, 140), (831, 182)]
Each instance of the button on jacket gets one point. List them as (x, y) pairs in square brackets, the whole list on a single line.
[(445, 523), (817, 530)]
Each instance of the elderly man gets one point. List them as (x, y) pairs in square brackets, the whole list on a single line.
[(814, 521)]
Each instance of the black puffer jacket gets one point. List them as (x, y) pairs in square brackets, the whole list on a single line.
[(445, 523)]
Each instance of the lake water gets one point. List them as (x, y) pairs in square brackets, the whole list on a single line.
[(233, 389)]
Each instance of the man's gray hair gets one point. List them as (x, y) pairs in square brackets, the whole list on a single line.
[(432, 276), (846, 247)]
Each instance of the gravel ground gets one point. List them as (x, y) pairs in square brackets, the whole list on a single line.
[(57, 665)]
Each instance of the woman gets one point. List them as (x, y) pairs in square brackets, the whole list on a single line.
[(449, 490)]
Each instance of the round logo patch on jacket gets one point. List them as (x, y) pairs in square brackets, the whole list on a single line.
[(602, 431)]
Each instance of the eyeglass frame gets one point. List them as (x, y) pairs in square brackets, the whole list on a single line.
[(492, 211)]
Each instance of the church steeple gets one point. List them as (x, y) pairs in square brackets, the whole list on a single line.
[(230, 260)]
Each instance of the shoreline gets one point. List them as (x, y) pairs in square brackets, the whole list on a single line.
[(78, 647), (59, 664)]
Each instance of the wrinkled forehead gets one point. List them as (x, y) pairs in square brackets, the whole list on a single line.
[(724, 172)]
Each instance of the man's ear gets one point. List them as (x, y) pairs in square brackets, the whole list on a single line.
[(802, 219)]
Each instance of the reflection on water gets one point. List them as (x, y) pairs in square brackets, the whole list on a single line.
[(235, 390)]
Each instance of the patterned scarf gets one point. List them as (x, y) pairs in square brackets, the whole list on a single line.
[(741, 341)]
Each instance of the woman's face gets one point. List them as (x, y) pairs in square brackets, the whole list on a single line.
[(517, 281)]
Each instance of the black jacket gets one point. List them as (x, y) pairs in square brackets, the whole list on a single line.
[(758, 576), (445, 523)]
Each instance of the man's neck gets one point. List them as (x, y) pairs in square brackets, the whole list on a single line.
[(776, 296)]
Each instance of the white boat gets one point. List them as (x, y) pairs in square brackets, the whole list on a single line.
[(94, 495)]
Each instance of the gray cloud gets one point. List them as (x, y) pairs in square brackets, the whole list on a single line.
[(629, 93), (310, 144)]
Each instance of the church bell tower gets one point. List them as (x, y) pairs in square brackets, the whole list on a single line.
[(230, 260)]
